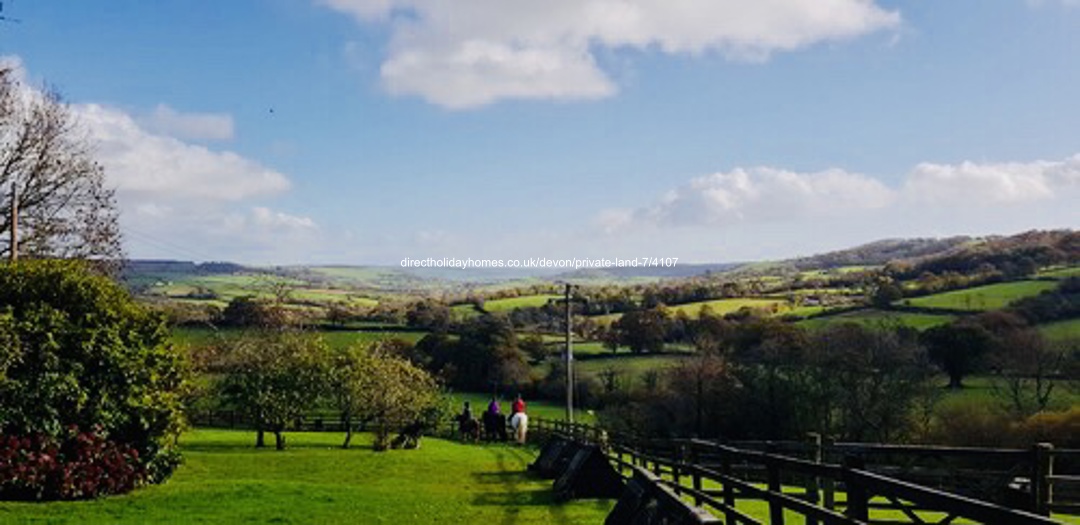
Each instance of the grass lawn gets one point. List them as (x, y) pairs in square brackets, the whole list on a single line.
[(528, 301), (989, 297), (225, 480), (870, 317)]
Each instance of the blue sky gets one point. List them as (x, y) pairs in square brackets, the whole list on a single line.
[(367, 131)]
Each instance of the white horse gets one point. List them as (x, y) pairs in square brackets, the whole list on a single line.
[(519, 424)]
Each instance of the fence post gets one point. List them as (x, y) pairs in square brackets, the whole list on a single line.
[(776, 508), (729, 492), (695, 475), (812, 482), (829, 485), (858, 501), (1040, 480)]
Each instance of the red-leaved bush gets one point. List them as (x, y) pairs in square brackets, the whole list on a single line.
[(81, 465)]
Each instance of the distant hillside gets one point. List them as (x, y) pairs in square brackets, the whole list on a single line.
[(881, 252), (141, 267), (681, 270), (1013, 256)]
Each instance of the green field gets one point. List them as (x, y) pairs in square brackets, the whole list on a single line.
[(627, 367), (718, 306), (189, 336), (980, 391), (1061, 273), (989, 297), (464, 311), (230, 286), (1062, 330), (528, 301), (873, 318), (225, 480)]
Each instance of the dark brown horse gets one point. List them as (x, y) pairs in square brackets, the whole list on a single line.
[(494, 427), (468, 428)]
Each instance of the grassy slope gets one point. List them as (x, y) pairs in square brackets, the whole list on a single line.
[(629, 367), (870, 317), (528, 301), (1062, 330), (989, 297), (225, 480), (1061, 273)]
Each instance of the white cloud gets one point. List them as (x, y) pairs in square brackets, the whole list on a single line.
[(763, 195), (165, 120), (756, 195), (185, 200), (466, 53), (144, 165), (976, 184), (268, 219)]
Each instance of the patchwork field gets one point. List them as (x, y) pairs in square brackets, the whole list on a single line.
[(983, 298)]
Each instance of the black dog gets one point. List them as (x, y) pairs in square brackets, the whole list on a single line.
[(409, 436)]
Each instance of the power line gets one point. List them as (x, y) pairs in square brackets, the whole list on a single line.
[(168, 246)]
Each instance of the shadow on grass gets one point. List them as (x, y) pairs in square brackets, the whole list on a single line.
[(516, 487)]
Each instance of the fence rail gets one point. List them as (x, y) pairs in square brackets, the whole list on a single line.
[(716, 476)]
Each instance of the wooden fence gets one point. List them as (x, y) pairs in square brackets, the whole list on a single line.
[(812, 489)]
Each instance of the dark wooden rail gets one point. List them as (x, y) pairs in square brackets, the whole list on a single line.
[(717, 476)]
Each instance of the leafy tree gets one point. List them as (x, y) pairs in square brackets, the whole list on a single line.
[(885, 293), (378, 388), (703, 388), (76, 350), (274, 376), (869, 380), (250, 311), (534, 347), (957, 348), (65, 208), (429, 315), (643, 330), (487, 354)]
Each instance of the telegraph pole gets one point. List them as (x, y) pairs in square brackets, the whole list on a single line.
[(569, 359), (13, 249)]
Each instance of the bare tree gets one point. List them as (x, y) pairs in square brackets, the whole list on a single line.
[(65, 208), (1029, 370)]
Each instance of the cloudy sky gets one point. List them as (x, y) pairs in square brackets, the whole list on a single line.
[(367, 131)]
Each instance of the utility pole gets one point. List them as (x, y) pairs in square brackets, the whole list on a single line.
[(569, 359), (14, 247)]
